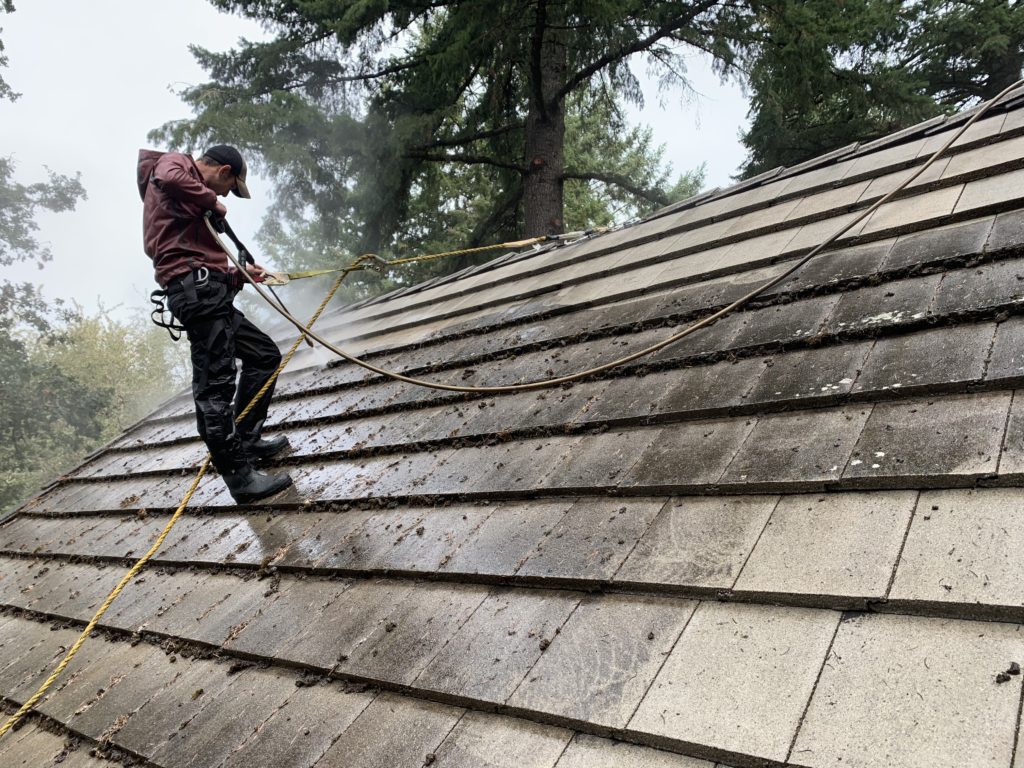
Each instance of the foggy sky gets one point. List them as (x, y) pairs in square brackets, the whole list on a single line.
[(96, 77)]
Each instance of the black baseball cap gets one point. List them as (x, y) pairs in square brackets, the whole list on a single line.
[(225, 154)]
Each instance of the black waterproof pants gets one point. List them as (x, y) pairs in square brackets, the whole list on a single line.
[(218, 333)]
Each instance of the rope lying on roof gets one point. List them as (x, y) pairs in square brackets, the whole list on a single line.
[(306, 333), (553, 382)]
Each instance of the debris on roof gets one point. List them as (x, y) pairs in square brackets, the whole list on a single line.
[(789, 539)]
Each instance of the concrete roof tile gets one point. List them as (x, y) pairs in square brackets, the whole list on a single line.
[(689, 453), (813, 373), (807, 447), (703, 696), (1007, 356), (299, 733), (601, 664), (492, 652), (942, 242), (592, 539), (956, 435), (592, 752), (942, 356), (911, 691), (392, 731), (698, 542), (412, 633), (962, 548), (830, 545), (481, 739)]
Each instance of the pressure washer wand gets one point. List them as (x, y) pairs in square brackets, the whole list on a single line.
[(244, 256)]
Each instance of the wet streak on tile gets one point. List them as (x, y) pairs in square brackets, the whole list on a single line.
[(600, 461), (704, 695), (214, 610), (327, 638), (392, 731), (602, 662), (838, 544), (698, 541), (440, 534), (286, 614), (592, 540), (232, 715), (492, 652), (506, 538), (173, 707)]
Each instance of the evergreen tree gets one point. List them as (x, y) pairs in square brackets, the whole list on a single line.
[(358, 109), (824, 74)]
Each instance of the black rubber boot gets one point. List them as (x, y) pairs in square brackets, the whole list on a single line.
[(247, 484), (259, 449), (263, 448)]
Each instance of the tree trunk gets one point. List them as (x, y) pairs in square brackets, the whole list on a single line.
[(545, 130)]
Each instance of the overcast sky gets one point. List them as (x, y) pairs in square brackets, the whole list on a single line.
[(97, 77)]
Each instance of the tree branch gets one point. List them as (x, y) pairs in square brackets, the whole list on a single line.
[(654, 195), (464, 159), (627, 50)]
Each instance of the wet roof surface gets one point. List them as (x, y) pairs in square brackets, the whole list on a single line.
[(791, 538)]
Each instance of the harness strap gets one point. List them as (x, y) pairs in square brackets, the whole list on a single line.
[(162, 316)]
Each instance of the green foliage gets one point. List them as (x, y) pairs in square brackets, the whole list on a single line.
[(397, 126), (71, 388), (6, 92), (824, 74)]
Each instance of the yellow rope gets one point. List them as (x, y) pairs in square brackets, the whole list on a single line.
[(357, 264), (28, 705), (671, 339)]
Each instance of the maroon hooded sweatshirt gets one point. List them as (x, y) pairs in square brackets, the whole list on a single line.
[(173, 231)]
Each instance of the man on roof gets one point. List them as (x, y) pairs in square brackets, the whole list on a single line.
[(177, 193)]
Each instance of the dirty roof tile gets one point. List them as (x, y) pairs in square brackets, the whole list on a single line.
[(592, 539), (506, 538), (698, 542), (951, 436), (422, 622), (802, 447), (947, 242), (823, 372), (392, 731), (689, 453), (592, 752), (481, 739), (492, 652), (302, 729), (1007, 357), (943, 356), (601, 664)]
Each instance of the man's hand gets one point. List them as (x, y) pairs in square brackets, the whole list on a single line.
[(220, 210), (258, 273)]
